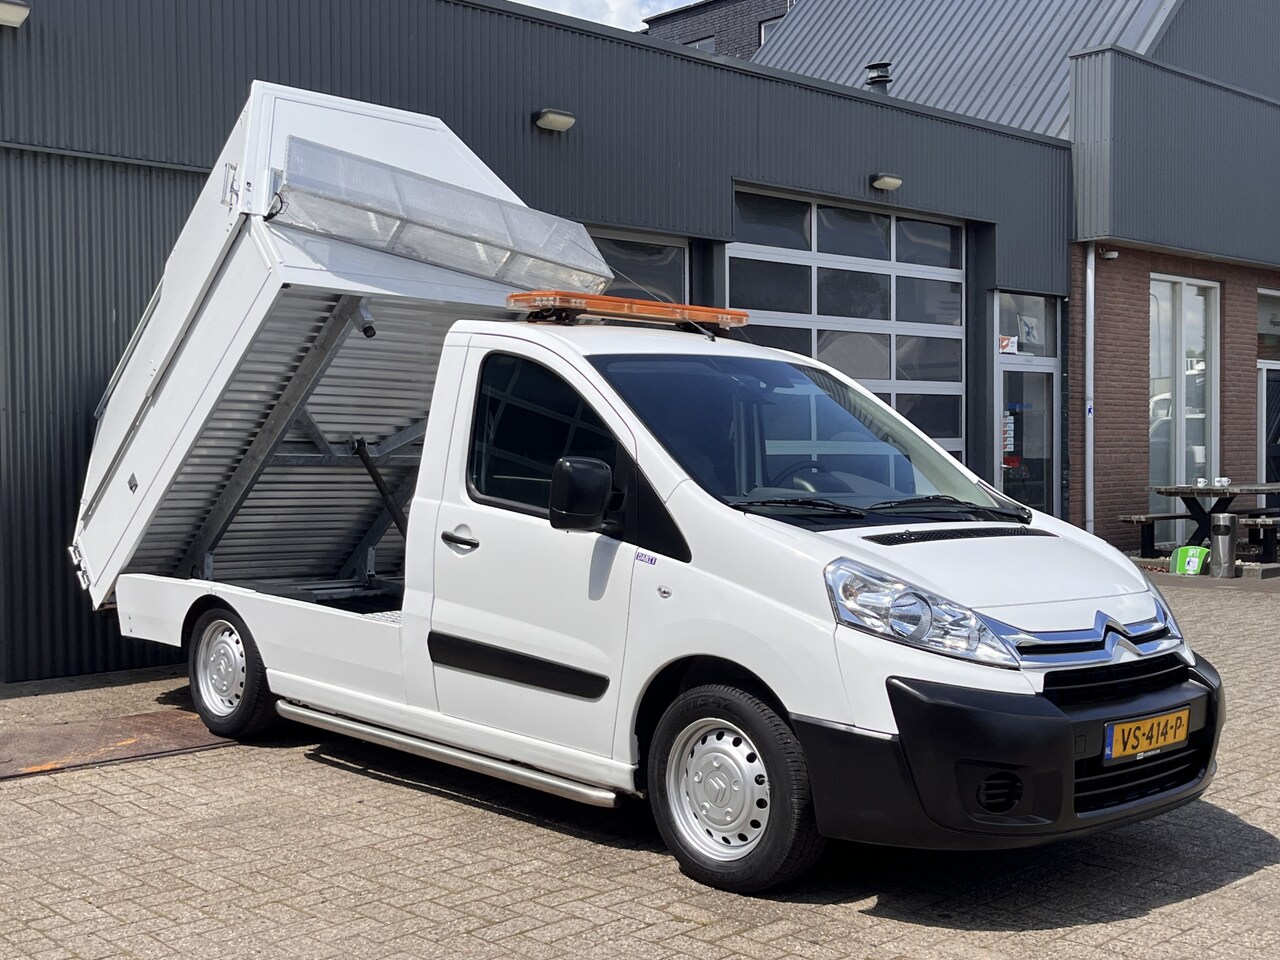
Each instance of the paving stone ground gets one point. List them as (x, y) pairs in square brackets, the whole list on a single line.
[(319, 848)]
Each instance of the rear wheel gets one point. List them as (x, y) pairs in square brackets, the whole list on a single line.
[(228, 680), (730, 792)]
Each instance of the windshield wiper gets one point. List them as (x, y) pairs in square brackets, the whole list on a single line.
[(813, 503), (1020, 514)]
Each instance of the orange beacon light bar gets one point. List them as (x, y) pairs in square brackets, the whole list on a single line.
[(560, 304)]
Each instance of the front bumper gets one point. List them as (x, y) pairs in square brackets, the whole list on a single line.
[(973, 769)]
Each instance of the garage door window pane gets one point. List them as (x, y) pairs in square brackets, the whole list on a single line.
[(794, 339), (931, 244), (939, 417), (853, 233), (930, 301), (648, 271), (771, 221), (849, 293), (863, 356), (928, 358), (763, 285)]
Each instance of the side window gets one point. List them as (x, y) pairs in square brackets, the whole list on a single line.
[(526, 419)]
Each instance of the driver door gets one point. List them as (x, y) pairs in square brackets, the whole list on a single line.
[(529, 623)]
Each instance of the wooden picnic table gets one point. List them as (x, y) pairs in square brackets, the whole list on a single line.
[(1191, 495)]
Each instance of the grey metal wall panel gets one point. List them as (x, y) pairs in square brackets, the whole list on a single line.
[(1235, 42), (1001, 60), (1091, 142), (662, 135), (656, 143), (1169, 184), (81, 243)]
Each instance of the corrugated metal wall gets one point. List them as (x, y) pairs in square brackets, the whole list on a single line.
[(662, 135), (661, 132), (81, 245), (1233, 42), (1162, 177)]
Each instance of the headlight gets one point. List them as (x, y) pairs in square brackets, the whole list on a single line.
[(888, 607)]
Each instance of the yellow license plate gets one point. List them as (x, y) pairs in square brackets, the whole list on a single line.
[(1134, 739)]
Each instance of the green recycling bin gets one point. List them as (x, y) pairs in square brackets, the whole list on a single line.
[(1188, 561)]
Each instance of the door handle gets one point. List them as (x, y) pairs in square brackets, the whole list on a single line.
[(448, 536)]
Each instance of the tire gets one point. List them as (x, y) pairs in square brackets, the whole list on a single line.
[(716, 745), (228, 679)]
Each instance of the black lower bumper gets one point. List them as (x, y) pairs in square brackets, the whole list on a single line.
[(972, 769)]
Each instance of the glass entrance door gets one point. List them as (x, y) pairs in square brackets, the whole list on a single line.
[(1182, 397), (1027, 467), (1026, 383), (1269, 425)]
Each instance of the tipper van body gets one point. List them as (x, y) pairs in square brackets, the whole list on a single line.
[(383, 460)]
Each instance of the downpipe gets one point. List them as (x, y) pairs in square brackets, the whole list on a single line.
[(1090, 279)]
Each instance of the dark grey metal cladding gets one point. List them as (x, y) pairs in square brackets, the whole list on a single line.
[(1002, 60), (657, 145), (148, 99), (1233, 42), (1149, 162), (82, 244)]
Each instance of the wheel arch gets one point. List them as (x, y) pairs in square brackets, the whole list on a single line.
[(202, 605), (684, 674)]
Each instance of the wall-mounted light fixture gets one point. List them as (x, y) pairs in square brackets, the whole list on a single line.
[(557, 120), (1110, 254), (13, 12), (886, 181)]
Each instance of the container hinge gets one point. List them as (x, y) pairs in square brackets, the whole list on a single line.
[(230, 186), (77, 558)]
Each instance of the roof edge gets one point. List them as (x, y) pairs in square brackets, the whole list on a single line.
[(1176, 71), (680, 9), (1186, 252), (734, 65)]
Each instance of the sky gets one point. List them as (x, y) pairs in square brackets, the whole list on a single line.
[(628, 14)]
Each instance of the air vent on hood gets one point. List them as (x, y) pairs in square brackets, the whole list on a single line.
[(963, 533)]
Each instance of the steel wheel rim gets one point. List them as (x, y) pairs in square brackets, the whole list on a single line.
[(718, 790), (221, 668)]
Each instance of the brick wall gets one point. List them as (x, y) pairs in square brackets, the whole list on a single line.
[(1121, 372), (734, 23)]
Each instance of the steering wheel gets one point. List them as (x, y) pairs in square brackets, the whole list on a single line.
[(828, 483)]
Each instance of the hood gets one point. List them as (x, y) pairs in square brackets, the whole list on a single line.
[(992, 566)]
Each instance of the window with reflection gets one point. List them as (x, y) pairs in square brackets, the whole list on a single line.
[(1028, 325), (1268, 326), (644, 270), (771, 221)]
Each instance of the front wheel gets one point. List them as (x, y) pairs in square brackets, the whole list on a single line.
[(228, 679), (730, 791)]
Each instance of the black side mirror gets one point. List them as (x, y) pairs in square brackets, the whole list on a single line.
[(580, 491)]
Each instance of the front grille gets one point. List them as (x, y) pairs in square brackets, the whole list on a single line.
[(1099, 787), (1115, 681), (963, 533), (1053, 648)]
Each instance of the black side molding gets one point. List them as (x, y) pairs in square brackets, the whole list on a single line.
[(490, 661)]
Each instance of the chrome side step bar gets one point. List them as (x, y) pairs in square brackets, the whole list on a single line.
[(475, 762)]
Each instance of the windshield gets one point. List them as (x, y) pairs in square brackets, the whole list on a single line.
[(789, 438)]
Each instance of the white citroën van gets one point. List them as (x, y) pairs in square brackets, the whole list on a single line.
[(596, 547)]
